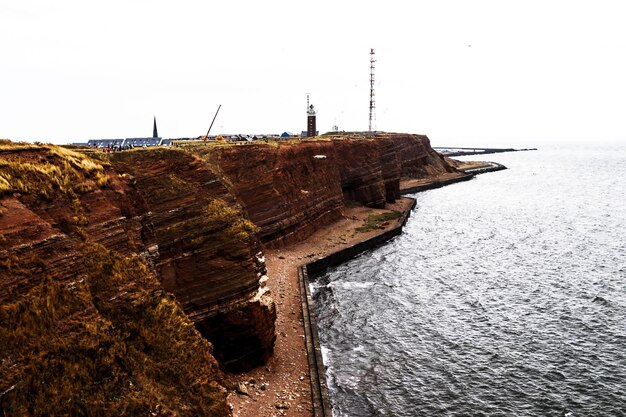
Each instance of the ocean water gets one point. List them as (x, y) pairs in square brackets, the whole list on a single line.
[(504, 296)]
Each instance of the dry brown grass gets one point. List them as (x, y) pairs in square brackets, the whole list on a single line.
[(239, 228), (110, 344), (51, 172), (55, 170)]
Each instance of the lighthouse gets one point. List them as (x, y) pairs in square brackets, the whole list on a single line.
[(310, 116)]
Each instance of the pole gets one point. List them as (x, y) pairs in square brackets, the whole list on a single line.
[(218, 110)]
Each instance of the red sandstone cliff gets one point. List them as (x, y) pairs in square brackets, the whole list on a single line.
[(85, 327), (290, 189), (205, 252), (196, 220)]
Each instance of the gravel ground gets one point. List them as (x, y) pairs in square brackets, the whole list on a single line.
[(282, 386)]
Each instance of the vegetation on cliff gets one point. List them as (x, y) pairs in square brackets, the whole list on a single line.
[(111, 344), (50, 173), (106, 340), (48, 170), (238, 227)]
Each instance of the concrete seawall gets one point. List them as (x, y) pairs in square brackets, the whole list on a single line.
[(317, 374)]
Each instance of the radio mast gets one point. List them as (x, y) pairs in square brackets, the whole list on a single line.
[(372, 124)]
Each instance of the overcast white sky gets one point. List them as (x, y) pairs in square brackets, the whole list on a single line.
[(463, 72)]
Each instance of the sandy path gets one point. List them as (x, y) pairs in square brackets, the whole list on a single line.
[(282, 386)]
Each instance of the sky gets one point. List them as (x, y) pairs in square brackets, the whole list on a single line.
[(474, 73)]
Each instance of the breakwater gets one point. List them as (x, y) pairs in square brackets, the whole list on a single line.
[(465, 151), (488, 167)]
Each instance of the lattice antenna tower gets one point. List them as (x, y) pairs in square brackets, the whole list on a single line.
[(372, 124)]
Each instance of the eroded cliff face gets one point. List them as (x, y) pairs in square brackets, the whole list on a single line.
[(290, 189), (361, 171), (205, 252), (85, 327), (417, 158), (193, 222)]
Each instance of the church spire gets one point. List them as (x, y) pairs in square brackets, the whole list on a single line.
[(155, 134)]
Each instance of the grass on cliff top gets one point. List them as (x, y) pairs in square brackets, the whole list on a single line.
[(6, 144), (378, 221), (52, 173), (195, 145), (110, 344), (48, 170)]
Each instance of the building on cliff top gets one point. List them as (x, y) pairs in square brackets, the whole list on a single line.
[(155, 140)]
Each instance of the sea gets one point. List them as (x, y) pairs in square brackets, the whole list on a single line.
[(504, 296)]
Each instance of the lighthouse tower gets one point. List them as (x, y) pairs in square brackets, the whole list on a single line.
[(310, 125)]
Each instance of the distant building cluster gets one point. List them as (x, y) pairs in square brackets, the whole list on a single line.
[(132, 143), (155, 140), (311, 128), (128, 143)]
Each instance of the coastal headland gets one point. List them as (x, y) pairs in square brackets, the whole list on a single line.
[(164, 281)]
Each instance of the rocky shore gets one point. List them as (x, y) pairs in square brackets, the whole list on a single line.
[(282, 387)]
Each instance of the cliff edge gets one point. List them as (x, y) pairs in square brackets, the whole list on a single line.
[(85, 327), (106, 259)]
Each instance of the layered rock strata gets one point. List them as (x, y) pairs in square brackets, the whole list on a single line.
[(85, 327), (196, 218), (361, 171), (290, 189), (205, 251), (163, 204)]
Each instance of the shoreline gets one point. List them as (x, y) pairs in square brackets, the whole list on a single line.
[(319, 387), (283, 386)]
